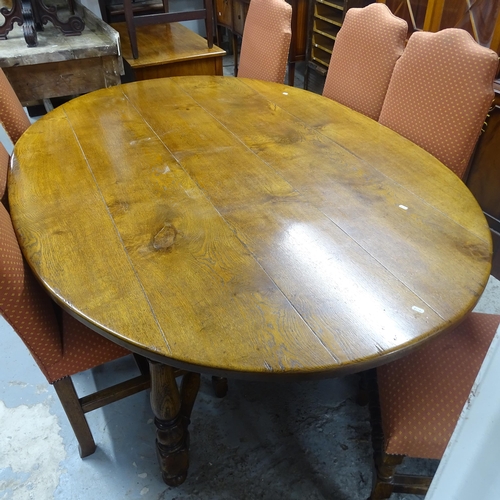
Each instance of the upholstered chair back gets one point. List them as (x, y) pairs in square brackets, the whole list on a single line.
[(266, 41), (12, 116), (366, 49), (440, 93), (23, 302), (61, 345)]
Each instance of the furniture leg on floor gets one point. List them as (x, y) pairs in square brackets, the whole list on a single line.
[(172, 409)]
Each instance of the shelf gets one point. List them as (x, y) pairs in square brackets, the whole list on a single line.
[(322, 42), (325, 21), (327, 13), (336, 5), (326, 29), (320, 61)]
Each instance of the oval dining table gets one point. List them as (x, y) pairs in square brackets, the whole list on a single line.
[(242, 228)]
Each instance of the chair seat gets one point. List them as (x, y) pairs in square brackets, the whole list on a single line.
[(422, 394), (82, 349)]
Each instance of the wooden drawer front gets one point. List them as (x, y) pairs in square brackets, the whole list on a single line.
[(224, 13), (240, 10)]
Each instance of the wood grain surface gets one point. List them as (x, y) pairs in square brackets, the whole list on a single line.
[(240, 227), (163, 44)]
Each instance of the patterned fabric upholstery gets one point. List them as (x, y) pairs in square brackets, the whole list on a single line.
[(422, 395), (367, 47), (12, 116), (440, 93), (4, 170), (32, 314), (266, 41)]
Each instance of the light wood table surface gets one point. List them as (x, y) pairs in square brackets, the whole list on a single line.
[(242, 228)]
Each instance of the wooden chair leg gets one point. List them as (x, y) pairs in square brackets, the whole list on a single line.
[(129, 19), (362, 397), (69, 400), (220, 386), (235, 53), (209, 22), (383, 475), (142, 364)]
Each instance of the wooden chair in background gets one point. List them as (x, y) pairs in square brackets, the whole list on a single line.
[(12, 116), (365, 52), (206, 13), (266, 41), (60, 345), (440, 93), (415, 402)]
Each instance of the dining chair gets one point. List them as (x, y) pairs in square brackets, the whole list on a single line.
[(60, 345), (12, 116), (133, 20), (415, 402), (440, 93), (366, 49), (266, 41)]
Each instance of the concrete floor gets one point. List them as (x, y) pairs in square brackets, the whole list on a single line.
[(306, 441)]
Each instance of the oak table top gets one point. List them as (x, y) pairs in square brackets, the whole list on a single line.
[(242, 228)]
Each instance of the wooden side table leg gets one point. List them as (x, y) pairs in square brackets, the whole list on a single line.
[(172, 440)]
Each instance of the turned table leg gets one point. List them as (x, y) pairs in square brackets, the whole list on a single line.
[(172, 409)]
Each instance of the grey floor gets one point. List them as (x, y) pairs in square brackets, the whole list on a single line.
[(306, 441)]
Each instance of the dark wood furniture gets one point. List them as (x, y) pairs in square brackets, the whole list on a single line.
[(231, 14), (484, 176), (137, 19), (62, 65), (481, 19), (169, 50), (32, 15), (243, 228), (324, 22)]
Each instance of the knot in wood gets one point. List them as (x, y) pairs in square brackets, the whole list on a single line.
[(165, 237)]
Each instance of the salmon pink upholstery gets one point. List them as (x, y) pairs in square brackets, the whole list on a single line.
[(4, 170), (12, 116), (366, 49), (440, 93), (422, 394), (266, 41), (58, 350)]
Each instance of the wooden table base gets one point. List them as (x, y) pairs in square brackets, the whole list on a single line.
[(172, 409)]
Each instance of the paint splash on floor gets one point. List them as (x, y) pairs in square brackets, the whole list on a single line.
[(31, 454)]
